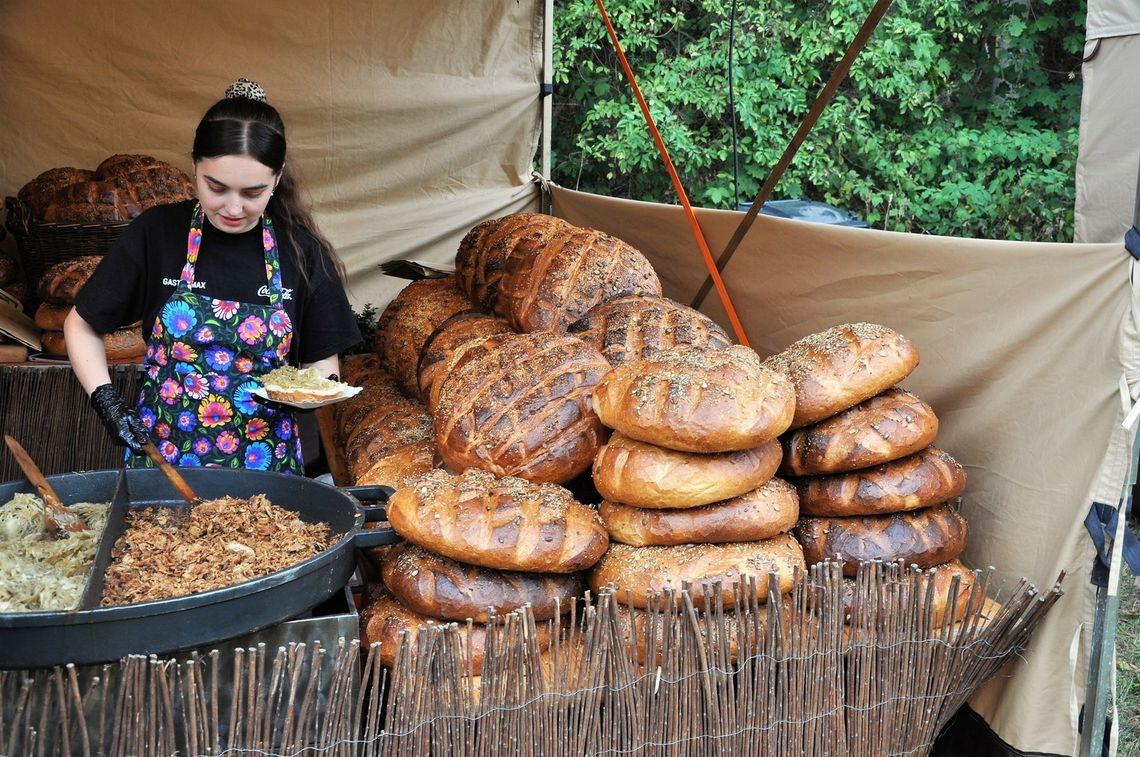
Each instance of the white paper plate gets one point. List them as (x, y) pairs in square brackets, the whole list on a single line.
[(350, 391)]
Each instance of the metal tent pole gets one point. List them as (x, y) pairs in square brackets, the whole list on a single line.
[(1103, 652), (547, 83)]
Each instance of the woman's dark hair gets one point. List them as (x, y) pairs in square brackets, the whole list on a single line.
[(244, 126)]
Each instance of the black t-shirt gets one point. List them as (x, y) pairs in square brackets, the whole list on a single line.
[(141, 270)]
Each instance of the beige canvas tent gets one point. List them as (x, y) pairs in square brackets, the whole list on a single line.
[(411, 122)]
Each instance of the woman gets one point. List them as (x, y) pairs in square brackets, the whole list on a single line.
[(227, 287)]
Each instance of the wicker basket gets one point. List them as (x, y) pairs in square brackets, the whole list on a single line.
[(42, 245)]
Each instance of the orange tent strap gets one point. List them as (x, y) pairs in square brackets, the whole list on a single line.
[(706, 254)]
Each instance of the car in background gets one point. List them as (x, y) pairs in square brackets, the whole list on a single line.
[(809, 210)]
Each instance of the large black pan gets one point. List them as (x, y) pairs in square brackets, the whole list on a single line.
[(104, 634)]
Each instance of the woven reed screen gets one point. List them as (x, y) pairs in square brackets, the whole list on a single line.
[(46, 410)]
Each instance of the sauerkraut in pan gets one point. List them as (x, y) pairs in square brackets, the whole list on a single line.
[(44, 570)]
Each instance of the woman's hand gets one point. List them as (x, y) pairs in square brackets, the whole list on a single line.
[(120, 419)]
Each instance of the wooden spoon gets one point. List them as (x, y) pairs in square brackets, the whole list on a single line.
[(171, 473), (67, 519)]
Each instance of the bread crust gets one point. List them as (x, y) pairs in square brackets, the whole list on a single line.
[(446, 344), (60, 283), (50, 317), (519, 405), (121, 344), (928, 477), (638, 326), (764, 512), (697, 400), (440, 587), (835, 369), (502, 523), (645, 475), (408, 320), (889, 426), (942, 576), (926, 537), (638, 572), (484, 256)]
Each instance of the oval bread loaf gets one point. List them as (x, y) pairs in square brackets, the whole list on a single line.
[(762, 513), (438, 586), (928, 477), (521, 408), (502, 523), (408, 320), (925, 538), (641, 325), (942, 577), (481, 262), (444, 346), (383, 432), (60, 283), (573, 271), (50, 317), (383, 619), (697, 400), (395, 467), (645, 475), (120, 344), (638, 572), (835, 369), (886, 427)]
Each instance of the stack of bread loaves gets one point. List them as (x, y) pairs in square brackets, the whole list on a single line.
[(687, 477), (479, 547), (57, 289), (859, 452)]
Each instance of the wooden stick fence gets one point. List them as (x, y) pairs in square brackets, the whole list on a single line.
[(807, 675)]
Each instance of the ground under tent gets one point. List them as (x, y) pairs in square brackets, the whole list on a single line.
[(412, 122)]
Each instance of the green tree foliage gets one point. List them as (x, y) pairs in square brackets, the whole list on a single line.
[(959, 117)]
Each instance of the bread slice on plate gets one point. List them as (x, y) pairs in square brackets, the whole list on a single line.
[(303, 387)]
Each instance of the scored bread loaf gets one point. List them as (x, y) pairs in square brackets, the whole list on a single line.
[(888, 426), (575, 270), (835, 369), (762, 513), (641, 325), (925, 538), (481, 261), (503, 523), (697, 400), (394, 468), (408, 320), (383, 432), (38, 193), (519, 405), (354, 367), (444, 346), (149, 181), (928, 477), (385, 620), (941, 576), (638, 572), (377, 390), (438, 586), (60, 283), (644, 475)]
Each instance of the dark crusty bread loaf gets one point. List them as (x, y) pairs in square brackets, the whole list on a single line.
[(121, 344), (641, 571), (395, 467), (354, 367), (50, 317), (408, 320), (842, 366), (38, 193), (481, 262), (925, 537), (928, 477), (383, 619), (576, 269), (521, 408), (149, 181), (122, 187), (377, 390), (641, 325), (384, 431), (645, 475), (503, 523), (438, 586), (942, 576), (444, 346), (886, 427), (62, 281), (697, 400), (762, 513)]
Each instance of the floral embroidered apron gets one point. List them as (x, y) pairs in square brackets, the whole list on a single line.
[(203, 360)]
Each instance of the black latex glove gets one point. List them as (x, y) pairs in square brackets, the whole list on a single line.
[(121, 420)]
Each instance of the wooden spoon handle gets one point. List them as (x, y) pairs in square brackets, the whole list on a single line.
[(32, 472), (171, 473)]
